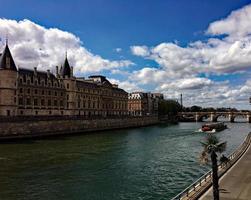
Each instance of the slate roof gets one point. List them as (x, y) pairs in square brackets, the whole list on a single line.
[(4, 62), (66, 69)]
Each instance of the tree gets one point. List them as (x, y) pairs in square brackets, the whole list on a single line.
[(211, 147), (169, 107), (196, 108)]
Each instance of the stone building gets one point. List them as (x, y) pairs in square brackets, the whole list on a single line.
[(142, 104), (33, 92)]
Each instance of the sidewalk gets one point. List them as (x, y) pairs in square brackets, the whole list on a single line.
[(235, 184)]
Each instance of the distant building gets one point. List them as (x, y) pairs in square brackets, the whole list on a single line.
[(142, 104), (33, 92)]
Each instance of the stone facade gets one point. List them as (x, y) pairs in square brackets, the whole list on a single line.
[(143, 104), (51, 126), (25, 92)]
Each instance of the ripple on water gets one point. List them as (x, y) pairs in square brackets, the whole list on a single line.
[(147, 163)]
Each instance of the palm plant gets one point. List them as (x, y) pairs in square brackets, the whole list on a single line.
[(212, 146)]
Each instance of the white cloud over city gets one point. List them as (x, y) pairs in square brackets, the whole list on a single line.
[(179, 69), (226, 51), (33, 45)]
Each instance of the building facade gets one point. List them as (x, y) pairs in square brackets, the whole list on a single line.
[(32, 92), (143, 104)]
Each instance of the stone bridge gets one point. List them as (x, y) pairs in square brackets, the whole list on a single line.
[(213, 116)]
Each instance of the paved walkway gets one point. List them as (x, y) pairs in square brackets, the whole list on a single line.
[(236, 183)]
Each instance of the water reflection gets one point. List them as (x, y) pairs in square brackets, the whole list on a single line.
[(146, 163)]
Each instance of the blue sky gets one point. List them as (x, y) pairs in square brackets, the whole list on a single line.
[(110, 29)]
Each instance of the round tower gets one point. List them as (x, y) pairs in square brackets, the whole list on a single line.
[(8, 84), (66, 73)]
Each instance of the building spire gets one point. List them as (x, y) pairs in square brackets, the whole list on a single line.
[(6, 39)]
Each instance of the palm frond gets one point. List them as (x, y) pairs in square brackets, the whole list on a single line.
[(204, 157), (220, 147)]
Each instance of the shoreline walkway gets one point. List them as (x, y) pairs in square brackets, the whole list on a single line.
[(236, 183)]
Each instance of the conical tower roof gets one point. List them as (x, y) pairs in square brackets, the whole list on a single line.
[(6, 60), (66, 69)]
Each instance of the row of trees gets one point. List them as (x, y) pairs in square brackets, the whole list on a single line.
[(172, 107), (209, 109)]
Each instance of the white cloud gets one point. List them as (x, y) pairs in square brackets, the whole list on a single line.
[(187, 84), (180, 66), (33, 45), (126, 85), (236, 24), (140, 50), (118, 50), (214, 56)]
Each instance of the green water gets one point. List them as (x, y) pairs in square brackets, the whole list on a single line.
[(144, 163)]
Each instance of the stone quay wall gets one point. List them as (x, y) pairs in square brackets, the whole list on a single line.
[(14, 128)]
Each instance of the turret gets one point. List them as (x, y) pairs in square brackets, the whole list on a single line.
[(66, 69), (6, 61), (8, 84)]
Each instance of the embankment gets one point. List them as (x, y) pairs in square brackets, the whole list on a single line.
[(14, 128)]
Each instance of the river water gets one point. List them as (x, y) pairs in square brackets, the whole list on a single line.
[(154, 162)]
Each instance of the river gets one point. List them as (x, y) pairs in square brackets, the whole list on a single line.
[(155, 162)]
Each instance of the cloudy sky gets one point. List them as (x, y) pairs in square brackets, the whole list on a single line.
[(200, 48)]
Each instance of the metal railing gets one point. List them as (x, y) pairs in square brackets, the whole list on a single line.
[(201, 185)]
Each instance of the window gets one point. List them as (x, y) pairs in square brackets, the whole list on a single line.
[(21, 90), (35, 91), (67, 85), (28, 101), (61, 103), (28, 91), (56, 94), (20, 101), (55, 102), (35, 102), (42, 102), (42, 92), (49, 102)]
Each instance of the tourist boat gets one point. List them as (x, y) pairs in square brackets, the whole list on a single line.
[(213, 127)]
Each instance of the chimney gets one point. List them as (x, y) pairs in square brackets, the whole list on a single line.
[(35, 71), (48, 73), (57, 74)]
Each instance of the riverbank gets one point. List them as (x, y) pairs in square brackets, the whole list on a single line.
[(204, 183), (17, 128), (235, 183)]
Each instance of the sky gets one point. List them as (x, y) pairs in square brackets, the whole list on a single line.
[(200, 48)]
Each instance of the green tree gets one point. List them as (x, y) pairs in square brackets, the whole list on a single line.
[(196, 108), (169, 107), (211, 147)]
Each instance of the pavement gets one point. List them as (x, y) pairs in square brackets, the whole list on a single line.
[(236, 183)]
